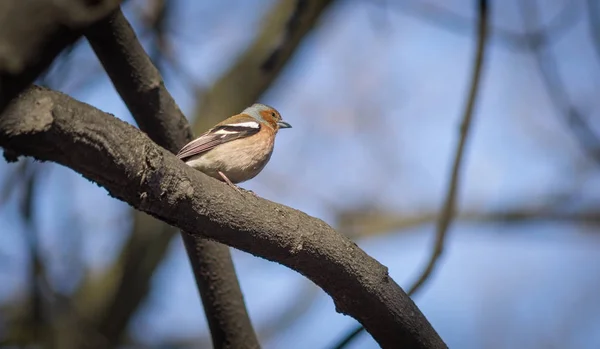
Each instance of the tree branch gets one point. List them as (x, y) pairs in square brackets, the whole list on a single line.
[(138, 82), (140, 85), (33, 33), (356, 224), (449, 207), (51, 126)]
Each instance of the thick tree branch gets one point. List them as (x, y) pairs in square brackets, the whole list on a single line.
[(140, 85), (33, 33), (53, 127), (138, 82)]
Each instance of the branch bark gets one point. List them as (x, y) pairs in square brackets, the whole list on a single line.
[(51, 126), (140, 85), (33, 33), (149, 239)]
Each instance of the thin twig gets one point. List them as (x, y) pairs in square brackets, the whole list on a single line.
[(448, 209), (349, 337)]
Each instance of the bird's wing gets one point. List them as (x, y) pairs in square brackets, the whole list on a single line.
[(219, 134)]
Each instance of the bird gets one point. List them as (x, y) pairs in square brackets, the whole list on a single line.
[(238, 148)]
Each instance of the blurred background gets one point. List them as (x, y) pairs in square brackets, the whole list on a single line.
[(375, 91)]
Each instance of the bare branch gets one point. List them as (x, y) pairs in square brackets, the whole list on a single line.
[(51, 126), (142, 88), (367, 224), (138, 82), (33, 33), (449, 209)]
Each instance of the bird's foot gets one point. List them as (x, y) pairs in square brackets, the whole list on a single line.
[(238, 189)]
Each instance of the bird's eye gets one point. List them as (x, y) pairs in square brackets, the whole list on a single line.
[(273, 114)]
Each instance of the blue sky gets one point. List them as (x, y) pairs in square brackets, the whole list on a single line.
[(375, 97)]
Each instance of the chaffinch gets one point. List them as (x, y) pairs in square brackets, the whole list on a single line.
[(238, 148)]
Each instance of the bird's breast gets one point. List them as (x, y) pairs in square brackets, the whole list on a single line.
[(240, 160)]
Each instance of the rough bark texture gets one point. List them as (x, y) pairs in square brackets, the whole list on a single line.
[(32, 34), (138, 82), (53, 127), (142, 88)]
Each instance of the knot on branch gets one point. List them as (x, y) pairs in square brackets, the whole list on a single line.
[(151, 174)]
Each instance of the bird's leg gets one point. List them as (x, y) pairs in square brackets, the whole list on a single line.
[(229, 182)]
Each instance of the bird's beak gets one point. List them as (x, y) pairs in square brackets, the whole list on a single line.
[(283, 124)]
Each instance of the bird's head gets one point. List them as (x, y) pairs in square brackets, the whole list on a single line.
[(267, 115)]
